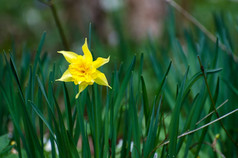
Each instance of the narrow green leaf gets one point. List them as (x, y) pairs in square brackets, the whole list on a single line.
[(145, 101), (68, 109), (106, 128), (4, 141), (208, 119), (85, 144), (152, 133), (188, 121), (97, 121), (231, 87), (194, 78), (39, 113), (174, 123), (140, 71), (39, 50), (134, 122), (14, 71), (123, 88), (163, 81)]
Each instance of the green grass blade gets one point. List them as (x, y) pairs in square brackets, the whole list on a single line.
[(188, 121), (37, 57), (140, 72), (123, 88), (152, 133), (134, 123), (145, 102), (40, 114), (174, 123), (97, 121), (68, 109), (208, 119), (85, 144), (163, 81), (14, 71), (106, 127)]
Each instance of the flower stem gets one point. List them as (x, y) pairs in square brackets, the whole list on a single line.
[(96, 121), (59, 26)]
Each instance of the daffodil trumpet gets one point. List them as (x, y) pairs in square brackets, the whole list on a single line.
[(82, 69)]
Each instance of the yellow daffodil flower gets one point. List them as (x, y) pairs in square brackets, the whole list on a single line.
[(83, 70)]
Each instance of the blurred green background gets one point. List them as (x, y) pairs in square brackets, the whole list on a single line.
[(24, 21)]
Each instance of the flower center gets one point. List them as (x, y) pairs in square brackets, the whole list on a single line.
[(82, 71)]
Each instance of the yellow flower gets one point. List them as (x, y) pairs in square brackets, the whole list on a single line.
[(83, 70)]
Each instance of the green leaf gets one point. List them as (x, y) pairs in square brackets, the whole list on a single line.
[(140, 71), (194, 78), (123, 88), (4, 141), (85, 143), (174, 123), (145, 102), (152, 133), (208, 119), (231, 87), (37, 57), (14, 71), (68, 109), (188, 121), (134, 122), (106, 128), (163, 81), (39, 113)]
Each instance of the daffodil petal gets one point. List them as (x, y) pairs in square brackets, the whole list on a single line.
[(101, 79), (69, 56), (100, 61), (87, 52), (66, 77), (82, 86)]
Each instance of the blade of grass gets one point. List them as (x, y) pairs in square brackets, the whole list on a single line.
[(134, 122), (96, 121), (140, 71), (163, 81), (106, 128), (152, 133), (145, 102), (204, 131), (42, 117), (85, 144), (123, 88), (40, 105), (68, 109), (174, 123), (188, 121)]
